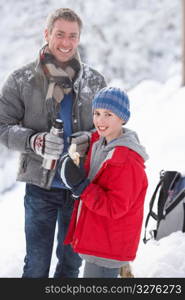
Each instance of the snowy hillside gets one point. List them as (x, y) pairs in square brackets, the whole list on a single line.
[(140, 40), (131, 39)]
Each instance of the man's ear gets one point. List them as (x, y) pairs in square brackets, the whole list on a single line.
[(46, 33)]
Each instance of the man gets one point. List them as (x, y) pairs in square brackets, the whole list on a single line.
[(57, 85)]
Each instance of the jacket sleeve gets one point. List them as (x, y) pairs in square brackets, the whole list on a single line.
[(119, 194), (12, 134)]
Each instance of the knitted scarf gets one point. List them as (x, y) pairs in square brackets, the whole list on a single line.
[(60, 75)]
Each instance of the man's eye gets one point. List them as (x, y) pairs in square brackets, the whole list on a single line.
[(59, 35), (73, 37)]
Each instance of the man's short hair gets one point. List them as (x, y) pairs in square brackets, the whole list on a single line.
[(63, 13)]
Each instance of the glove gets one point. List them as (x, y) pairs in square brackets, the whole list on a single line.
[(47, 145), (72, 176), (81, 139)]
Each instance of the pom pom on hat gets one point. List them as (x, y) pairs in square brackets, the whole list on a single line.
[(113, 99)]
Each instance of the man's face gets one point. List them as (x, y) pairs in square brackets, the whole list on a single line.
[(63, 40)]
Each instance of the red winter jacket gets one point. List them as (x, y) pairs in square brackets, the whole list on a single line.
[(111, 215)]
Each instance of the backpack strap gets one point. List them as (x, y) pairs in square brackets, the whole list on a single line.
[(151, 213), (167, 180)]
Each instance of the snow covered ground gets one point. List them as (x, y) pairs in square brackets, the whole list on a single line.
[(158, 117)]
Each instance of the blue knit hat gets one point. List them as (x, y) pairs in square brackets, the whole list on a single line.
[(113, 99)]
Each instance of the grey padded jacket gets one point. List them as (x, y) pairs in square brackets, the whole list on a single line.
[(24, 111)]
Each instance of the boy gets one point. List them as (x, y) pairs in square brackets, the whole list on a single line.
[(107, 218)]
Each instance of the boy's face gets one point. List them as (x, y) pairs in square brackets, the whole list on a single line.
[(107, 124), (63, 40)]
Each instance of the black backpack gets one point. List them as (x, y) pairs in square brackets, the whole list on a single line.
[(170, 196)]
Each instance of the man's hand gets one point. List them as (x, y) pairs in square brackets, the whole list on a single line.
[(81, 139), (47, 145)]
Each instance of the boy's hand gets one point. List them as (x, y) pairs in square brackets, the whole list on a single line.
[(72, 176)]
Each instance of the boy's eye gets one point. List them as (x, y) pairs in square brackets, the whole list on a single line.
[(106, 115), (96, 113)]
